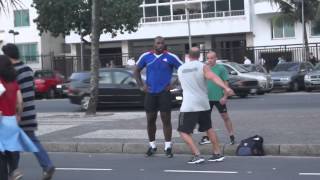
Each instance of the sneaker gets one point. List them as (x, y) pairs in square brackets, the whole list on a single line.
[(232, 140), (47, 175), (204, 140), (169, 152), (216, 158), (151, 151), (196, 159), (16, 175)]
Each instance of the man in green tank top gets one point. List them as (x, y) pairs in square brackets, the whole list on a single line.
[(217, 97)]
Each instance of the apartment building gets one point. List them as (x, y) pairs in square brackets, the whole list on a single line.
[(227, 26), (17, 27)]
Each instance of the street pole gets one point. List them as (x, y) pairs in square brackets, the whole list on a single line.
[(303, 31), (189, 28)]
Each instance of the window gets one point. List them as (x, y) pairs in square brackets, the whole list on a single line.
[(164, 10), (120, 77), (150, 1), (105, 78), (315, 28), (151, 11), (28, 52), (237, 4), (164, 1), (282, 28), (208, 7), (222, 5), (21, 18)]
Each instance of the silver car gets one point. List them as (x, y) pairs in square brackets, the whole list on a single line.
[(264, 81), (312, 79)]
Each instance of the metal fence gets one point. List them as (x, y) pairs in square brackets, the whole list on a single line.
[(294, 52)]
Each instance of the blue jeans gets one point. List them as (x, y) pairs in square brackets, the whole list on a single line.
[(42, 155)]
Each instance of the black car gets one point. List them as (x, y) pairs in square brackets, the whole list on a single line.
[(242, 86), (290, 75), (117, 87)]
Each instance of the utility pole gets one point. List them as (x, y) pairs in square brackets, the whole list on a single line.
[(189, 27)]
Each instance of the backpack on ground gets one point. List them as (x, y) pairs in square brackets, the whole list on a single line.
[(252, 146)]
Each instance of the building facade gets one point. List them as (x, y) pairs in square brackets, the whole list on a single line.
[(227, 26), (17, 27)]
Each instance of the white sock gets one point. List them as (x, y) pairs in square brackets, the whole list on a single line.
[(152, 144), (167, 145)]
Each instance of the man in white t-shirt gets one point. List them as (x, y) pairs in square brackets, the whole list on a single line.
[(247, 60), (195, 108)]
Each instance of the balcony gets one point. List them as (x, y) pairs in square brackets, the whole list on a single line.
[(265, 7), (199, 16)]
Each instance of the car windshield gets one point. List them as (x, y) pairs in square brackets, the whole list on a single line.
[(317, 67), (250, 67), (239, 67), (79, 76), (286, 67)]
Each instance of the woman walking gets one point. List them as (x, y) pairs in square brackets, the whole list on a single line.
[(12, 138)]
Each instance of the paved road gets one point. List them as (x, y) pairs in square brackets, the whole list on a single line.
[(281, 118), (284, 101), (73, 166)]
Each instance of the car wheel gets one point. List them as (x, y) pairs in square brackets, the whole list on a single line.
[(260, 92), (308, 89), (50, 94), (294, 86), (243, 95), (85, 103)]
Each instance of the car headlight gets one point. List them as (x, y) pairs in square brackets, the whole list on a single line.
[(285, 79), (175, 90), (307, 77)]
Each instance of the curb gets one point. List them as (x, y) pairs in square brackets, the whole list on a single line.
[(178, 148)]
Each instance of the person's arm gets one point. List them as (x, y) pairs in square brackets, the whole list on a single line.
[(224, 99), (215, 79), (137, 76), (19, 107)]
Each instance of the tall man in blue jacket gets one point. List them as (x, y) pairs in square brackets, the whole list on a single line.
[(159, 65)]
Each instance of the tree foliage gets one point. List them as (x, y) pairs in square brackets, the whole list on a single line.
[(293, 9), (64, 16), (4, 4)]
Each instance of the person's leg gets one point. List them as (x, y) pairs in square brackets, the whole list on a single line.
[(13, 161), (164, 104), (205, 139), (227, 121), (214, 141), (151, 125), (42, 156), (3, 167), (187, 138), (151, 112)]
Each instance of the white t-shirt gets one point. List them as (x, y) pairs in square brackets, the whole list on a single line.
[(194, 86), (247, 61)]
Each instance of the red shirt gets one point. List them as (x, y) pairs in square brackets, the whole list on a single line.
[(8, 100)]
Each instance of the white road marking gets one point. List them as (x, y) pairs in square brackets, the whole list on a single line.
[(208, 172), (82, 169), (309, 174)]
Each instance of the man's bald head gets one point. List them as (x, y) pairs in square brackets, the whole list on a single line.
[(194, 53)]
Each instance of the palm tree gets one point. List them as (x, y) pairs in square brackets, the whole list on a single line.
[(293, 9), (4, 4)]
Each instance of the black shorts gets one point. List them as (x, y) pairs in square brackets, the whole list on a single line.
[(154, 102), (221, 108), (189, 120)]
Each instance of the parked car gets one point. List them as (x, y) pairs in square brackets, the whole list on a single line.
[(259, 68), (312, 79), (264, 82), (290, 75), (46, 82), (242, 86), (117, 87)]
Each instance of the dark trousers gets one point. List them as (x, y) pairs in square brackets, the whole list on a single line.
[(3, 166)]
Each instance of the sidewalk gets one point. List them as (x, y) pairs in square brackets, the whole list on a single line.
[(124, 132)]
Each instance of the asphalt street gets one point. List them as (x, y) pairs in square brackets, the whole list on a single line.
[(281, 118), (278, 101), (77, 166)]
